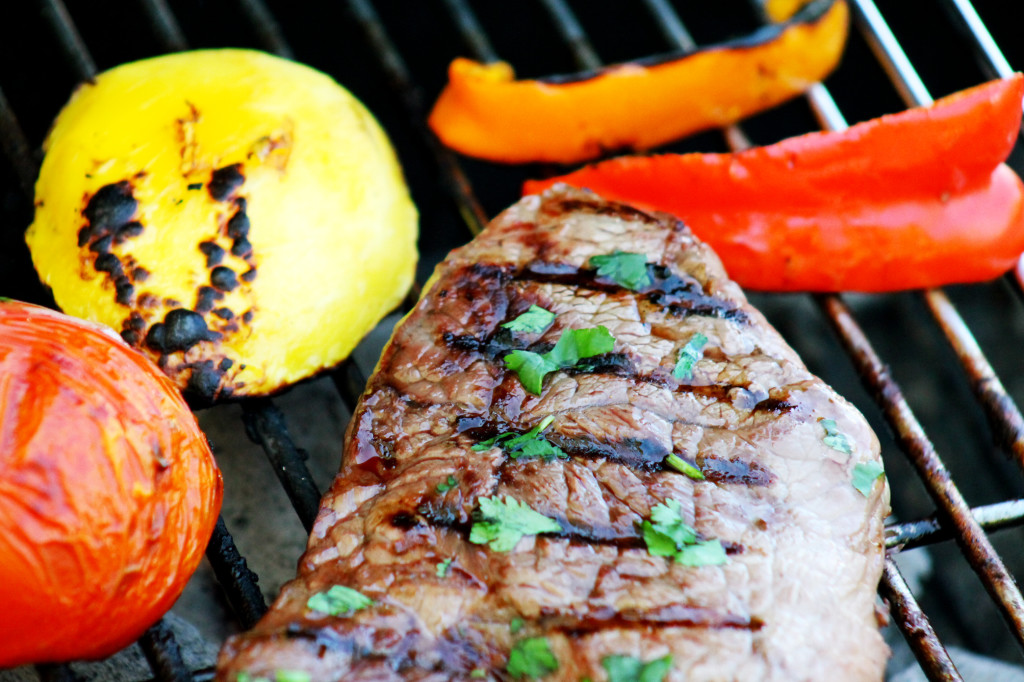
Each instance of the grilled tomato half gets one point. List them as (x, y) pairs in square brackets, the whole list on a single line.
[(108, 490), (240, 218)]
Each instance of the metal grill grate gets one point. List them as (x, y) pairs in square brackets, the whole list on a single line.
[(384, 38)]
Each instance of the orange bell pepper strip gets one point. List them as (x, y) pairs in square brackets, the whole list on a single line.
[(485, 112), (908, 200)]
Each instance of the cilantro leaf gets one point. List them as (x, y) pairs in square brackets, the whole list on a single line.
[(667, 534), (864, 476), (833, 438), (626, 269), (684, 467), (629, 669), (533, 321), (705, 553), (446, 485), (292, 676), (531, 657), (441, 570), (689, 355), (478, 672), (572, 346), (515, 625), (529, 444), (503, 523), (338, 601)]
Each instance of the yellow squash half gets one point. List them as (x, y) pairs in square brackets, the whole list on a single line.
[(241, 218)]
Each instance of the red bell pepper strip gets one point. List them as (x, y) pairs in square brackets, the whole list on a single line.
[(484, 111), (908, 200)]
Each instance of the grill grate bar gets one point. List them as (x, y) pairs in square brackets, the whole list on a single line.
[(915, 626), (234, 576), (572, 32), (16, 148), (164, 25), (993, 59), (412, 98), (969, 535), (471, 30), (163, 654), (70, 39), (930, 530), (266, 27), (889, 53)]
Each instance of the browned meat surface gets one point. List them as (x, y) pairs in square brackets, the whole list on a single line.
[(794, 599)]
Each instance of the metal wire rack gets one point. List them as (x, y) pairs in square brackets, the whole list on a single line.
[(469, 185)]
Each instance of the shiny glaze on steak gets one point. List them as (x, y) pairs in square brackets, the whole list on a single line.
[(795, 600)]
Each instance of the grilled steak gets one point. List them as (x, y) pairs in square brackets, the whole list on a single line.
[(509, 561)]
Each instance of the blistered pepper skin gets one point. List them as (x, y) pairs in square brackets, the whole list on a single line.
[(909, 200), (485, 112), (108, 489)]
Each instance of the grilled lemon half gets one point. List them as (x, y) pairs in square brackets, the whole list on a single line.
[(240, 218)]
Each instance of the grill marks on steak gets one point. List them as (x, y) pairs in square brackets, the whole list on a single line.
[(795, 601)]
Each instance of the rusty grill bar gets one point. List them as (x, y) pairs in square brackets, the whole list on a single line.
[(265, 424)]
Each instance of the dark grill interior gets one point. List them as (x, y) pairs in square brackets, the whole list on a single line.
[(939, 370)]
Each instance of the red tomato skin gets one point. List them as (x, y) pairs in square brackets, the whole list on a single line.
[(108, 489)]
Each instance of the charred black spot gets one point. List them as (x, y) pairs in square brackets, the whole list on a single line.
[(249, 275), (241, 247), (737, 471), (224, 313), (102, 245), (195, 185), (238, 226), (180, 330), (108, 262), (224, 278), (125, 290), (135, 321), (404, 520), (774, 405), (225, 364), (204, 380), (112, 206), (214, 253), (83, 236), (618, 364), (140, 274), (206, 298), (127, 231), (147, 301), (225, 181), (247, 316)]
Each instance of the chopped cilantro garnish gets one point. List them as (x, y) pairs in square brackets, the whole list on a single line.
[(668, 534), (246, 677), (292, 676), (833, 438), (626, 269), (447, 485), (515, 625), (573, 345), (442, 568), (529, 444), (478, 672), (531, 657), (629, 669), (503, 523), (689, 355), (684, 467), (865, 474), (339, 601), (533, 321)]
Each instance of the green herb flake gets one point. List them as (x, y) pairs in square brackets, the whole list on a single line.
[(478, 672), (667, 534), (515, 625), (339, 601), (688, 357), (532, 658), (865, 474), (623, 268), (833, 438), (446, 485), (503, 523), (572, 346), (442, 568), (684, 467), (529, 444), (629, 669), (246, 677), (292, 676), (533, 321)]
